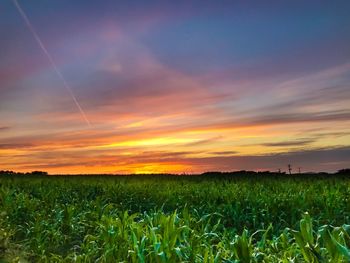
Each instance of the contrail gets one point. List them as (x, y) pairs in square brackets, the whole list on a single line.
[(52, 62)]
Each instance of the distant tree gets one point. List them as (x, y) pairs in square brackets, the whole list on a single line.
[(289, 169), (344, 171), (41, 173), (7, 172)]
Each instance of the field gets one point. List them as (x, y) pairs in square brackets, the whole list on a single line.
[(208, 218)]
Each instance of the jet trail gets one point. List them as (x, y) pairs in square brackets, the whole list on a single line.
[(52, 62)]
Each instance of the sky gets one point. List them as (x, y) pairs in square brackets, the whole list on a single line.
[(174, 86)]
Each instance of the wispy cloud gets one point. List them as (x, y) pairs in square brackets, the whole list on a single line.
[(289, 143), (14, 145), (225, 153), (4, 128)]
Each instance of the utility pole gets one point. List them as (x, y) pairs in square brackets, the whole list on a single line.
[(290, 169), (299, 170)]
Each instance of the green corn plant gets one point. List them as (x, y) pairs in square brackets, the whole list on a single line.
[(138, 253), (67, 217), (242, 247), (4, 240), (335, 244), (306, 241)]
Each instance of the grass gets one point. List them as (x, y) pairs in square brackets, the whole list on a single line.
[(175, 219)]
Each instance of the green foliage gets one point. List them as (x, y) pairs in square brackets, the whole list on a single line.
[(155, 219)]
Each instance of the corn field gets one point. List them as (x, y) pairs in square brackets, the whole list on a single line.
[(174, 219)]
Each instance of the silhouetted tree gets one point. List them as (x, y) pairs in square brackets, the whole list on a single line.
[(344, 171), (38, 173)]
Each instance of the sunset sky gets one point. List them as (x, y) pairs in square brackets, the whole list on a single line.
[(175, 86)]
